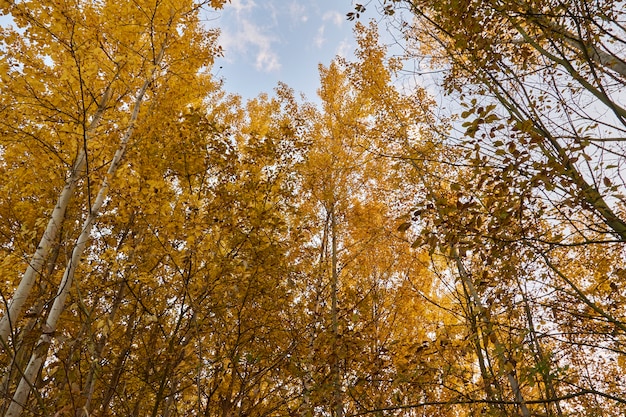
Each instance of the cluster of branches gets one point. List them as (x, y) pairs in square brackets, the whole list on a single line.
[(167, 250)]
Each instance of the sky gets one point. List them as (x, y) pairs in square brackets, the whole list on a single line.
[(267, 41)]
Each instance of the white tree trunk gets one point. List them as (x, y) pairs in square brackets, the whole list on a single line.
[(337, 409), (16, 305), (41, 350)]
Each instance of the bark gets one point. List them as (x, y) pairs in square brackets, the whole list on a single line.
[(553, 150), (540, 357), (25, 343), (510, 375), (588, 49), (336, 375), (118, 367), (41, 350), (488, 378), (50, 235), (598, 92), (91, 378)]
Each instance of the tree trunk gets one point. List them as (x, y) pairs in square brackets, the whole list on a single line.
[(41, 350), (510, 375), (335, 370), (50, 235)]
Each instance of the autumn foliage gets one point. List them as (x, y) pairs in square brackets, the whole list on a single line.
[(168, 250)]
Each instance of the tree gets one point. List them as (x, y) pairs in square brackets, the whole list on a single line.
[(543, 211), (363, 321), (196, 255), (78, 88)]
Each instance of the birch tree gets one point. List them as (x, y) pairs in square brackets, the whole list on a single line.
[(363, 274), (77, 83)]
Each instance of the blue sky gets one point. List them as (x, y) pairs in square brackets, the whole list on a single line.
[(267, 41)]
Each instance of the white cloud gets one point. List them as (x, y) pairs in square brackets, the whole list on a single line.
[(246, 38), (344, 49), (334, 16), (319, 39), (251, 36), (274, 12), (267, 61), (297, 13), (241, 6)]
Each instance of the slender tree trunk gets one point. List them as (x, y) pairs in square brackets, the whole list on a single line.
[(336, 372), (503, 362), (550, 390), (487, 375), (317, 313), (118, 367), (90, 385), (553, 150), (41, 350), (50, 235), (592, 52), (23, 347)]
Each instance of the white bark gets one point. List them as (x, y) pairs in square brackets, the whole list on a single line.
[(41, 350), (308, 380), (16, 305), (337, 409), (589, 50)]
